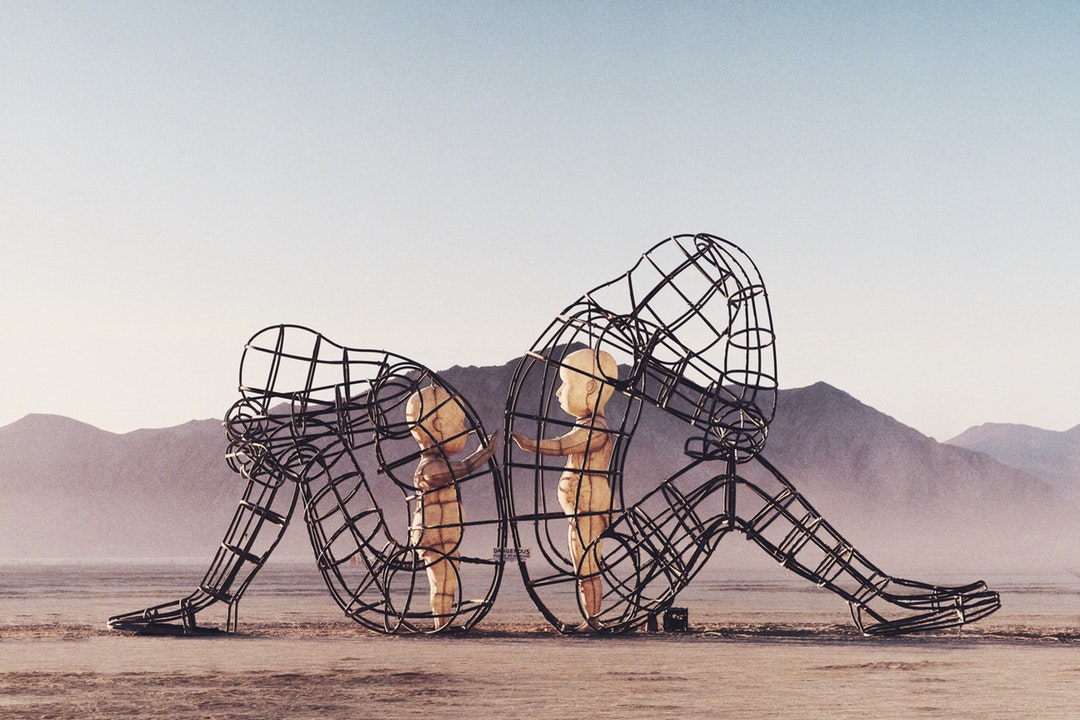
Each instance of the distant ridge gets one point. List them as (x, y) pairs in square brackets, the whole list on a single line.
[(1047, 454), (892, 485), (68, 489)]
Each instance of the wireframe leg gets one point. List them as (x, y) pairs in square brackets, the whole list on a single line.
[(256, 528), (787, 527)]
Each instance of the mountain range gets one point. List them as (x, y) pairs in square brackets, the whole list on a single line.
[(1046, 454), (996, 498)]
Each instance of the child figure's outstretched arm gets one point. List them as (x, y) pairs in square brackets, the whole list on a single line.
[(582, 439), (442, 473)]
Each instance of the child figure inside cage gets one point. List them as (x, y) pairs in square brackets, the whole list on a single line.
[(437, 422), (584, 489)]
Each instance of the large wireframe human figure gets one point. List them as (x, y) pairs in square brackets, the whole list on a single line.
[(584, 490), (691, 325), (330, 429), (437, 422)]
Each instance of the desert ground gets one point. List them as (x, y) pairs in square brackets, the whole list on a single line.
[(765, 649), (338, 670)]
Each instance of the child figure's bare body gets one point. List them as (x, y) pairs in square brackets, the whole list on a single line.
[(584, 490), (437, 422)]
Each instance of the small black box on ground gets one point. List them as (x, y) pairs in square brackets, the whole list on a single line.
[(676, 620)]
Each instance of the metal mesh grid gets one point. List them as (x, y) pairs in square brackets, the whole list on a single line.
[(691, 330), (324, 425)]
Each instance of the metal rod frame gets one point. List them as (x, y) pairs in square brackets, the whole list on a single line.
[(323, 425), (691, 329)]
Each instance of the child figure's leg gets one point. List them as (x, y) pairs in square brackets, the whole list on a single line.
[(588, 502), (442, 573), (584, 533), (440, 540)]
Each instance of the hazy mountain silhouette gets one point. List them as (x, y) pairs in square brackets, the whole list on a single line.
[(1049, 455), (68, 489), (901, 493)]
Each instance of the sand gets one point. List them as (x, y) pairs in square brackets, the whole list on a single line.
[(767, 646), (338, 670)]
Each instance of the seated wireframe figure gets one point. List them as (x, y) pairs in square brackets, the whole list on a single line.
[(329, 428), (584, 490), (437, 422), (690, 322)]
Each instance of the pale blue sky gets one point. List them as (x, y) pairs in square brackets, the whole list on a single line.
[(439, 179)]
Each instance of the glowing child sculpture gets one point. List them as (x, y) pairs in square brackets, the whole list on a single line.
[(584, 491), (437, 421)]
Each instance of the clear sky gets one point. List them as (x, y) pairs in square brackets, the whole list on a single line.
[(440, 178)]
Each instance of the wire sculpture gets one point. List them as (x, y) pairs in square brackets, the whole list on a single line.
[(680, 346), (683, 339), (345, 433)]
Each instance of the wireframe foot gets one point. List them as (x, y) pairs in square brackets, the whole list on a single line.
[(931, 607), (171, 618), (796, 535)]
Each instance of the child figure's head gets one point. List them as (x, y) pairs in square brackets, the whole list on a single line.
[(583, 391), (436, 418)]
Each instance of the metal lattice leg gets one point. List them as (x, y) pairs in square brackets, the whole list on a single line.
[(794, 533)]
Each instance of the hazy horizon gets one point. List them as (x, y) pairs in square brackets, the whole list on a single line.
[(228, 404)]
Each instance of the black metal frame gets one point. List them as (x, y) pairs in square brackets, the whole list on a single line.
[(690, 328), (325, 424)]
